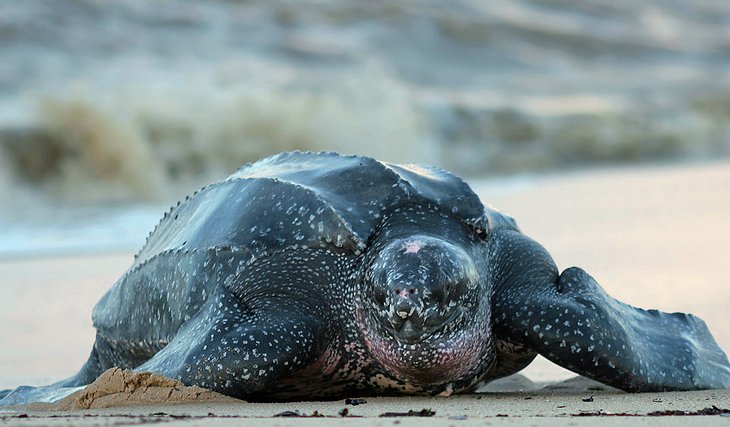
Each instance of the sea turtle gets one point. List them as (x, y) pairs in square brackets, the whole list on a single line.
[(318, 276)]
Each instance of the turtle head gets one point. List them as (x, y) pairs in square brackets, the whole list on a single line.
[(425, 314), (421, 286)]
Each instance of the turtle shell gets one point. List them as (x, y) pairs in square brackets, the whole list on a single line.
[(319, 200)]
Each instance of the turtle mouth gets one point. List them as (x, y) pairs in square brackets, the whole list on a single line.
[(413, 330)]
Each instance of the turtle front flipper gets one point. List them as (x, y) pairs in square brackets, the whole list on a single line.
[(573, 322), (237, 352), (624, 346)]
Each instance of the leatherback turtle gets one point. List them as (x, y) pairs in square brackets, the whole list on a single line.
[(318, 275)]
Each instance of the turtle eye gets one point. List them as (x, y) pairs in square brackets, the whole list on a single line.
[(446, 292), (454, 290), (379, 297), (436, 295)]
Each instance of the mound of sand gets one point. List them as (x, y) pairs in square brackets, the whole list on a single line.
[(121, 387)]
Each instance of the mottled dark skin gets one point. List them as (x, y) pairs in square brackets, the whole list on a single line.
[(320, 276)]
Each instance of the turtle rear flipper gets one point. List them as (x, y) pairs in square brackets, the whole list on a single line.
[(25, 394), (573, 322), (103, 356)]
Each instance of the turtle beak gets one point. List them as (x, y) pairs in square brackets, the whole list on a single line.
[(406, 317)]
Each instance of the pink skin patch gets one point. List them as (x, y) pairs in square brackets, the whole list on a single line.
[(412, 247)]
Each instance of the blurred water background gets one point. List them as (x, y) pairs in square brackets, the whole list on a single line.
[(112, 110)]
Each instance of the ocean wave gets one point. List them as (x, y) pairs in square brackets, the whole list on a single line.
[(130, 143), (132, 101)]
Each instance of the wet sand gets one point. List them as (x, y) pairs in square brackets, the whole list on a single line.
[(654, 237)]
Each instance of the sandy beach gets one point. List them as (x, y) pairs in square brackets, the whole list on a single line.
[(529, 409), (652, 236)]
